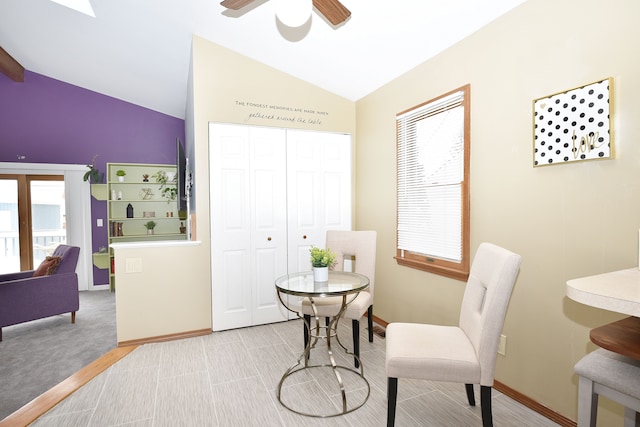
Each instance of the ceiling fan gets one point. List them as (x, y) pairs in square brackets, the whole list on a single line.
[(333, 10)]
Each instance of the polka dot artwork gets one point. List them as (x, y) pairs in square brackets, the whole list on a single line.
[(573, 125)]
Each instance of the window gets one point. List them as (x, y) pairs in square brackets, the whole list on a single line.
[(433, 185)]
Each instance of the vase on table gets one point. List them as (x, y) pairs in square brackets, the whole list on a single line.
[(320, 274)]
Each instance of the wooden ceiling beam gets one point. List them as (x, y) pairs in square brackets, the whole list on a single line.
[(10, 67)]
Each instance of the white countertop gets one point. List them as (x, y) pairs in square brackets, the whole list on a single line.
[(617, 291), (155, 244)]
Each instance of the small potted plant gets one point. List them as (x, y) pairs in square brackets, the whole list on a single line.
[(120, 174), (321, 261), (93, 175), (150, 225)]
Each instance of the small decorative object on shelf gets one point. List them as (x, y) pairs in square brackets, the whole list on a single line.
[(321, 261), (129, 211), (146, 193), (183, 229), (148, 214), (145, 177), (120, 174), (150, 225), (116, 229)]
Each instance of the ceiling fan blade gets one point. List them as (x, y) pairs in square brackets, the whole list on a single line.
[(235, 4), (333, 10)]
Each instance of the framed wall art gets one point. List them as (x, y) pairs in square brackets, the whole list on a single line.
[(574, 125)]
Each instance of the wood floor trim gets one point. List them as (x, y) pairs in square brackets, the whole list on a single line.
[(533, 405), (41, 404), (164, 338)]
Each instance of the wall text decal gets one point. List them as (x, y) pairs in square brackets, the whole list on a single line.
[(282, 114)]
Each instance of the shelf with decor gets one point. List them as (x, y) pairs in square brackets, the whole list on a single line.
[(142, 205)]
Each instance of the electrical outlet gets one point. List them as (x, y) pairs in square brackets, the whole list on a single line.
[(502, 345)]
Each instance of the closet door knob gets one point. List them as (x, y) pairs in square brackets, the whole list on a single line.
[(269, 238), (304, 237)]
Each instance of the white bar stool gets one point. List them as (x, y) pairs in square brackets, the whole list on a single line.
[(613, 376)]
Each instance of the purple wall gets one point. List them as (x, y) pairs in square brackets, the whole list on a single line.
[(49, 121)]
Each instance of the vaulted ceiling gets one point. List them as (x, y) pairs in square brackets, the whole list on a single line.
[(139, 50)]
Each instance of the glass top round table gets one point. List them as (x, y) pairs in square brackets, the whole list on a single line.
[(342, 284), (339, 283)]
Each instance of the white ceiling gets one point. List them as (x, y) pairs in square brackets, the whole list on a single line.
[(139, 50)]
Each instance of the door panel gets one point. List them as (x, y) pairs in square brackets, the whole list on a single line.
[(318, 189), (269, 220), (248, 214), (230, 229)]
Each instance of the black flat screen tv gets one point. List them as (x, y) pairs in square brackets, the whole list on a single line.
[(181, 163)]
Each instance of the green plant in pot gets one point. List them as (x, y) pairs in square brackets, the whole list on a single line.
[(150, 225), (321, 261), (93, 175), (120, 174)]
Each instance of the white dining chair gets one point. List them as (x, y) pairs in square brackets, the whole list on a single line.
[(358, 247), (465, 353)]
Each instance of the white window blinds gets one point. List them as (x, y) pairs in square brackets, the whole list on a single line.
[(430, 177)]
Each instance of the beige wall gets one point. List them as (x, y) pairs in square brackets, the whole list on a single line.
[(567, 221), (232, 88), (159, 293)]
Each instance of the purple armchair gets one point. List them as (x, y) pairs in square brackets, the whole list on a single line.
[(24, 298)]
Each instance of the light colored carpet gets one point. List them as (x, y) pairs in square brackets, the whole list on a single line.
[(37, 355)]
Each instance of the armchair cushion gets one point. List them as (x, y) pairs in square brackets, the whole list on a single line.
[(48, 266)]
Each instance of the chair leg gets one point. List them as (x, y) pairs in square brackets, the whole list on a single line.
[(392, 395), (485, 404), (355, 330), (631, 418), (470, 395), (73, 317), (307, 321), (587, 403), (370, 321)]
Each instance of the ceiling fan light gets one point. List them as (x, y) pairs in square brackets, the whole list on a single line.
[(293, 13)]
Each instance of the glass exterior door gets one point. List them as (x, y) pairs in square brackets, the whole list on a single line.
[(48, 218), (32, 219), (9, 241)]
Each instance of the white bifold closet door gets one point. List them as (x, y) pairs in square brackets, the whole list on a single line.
[(274, 193)]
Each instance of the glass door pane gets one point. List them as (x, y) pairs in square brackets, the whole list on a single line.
[(9, 237), (48, 217)]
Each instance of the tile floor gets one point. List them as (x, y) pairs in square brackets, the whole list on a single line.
[(229, 379)]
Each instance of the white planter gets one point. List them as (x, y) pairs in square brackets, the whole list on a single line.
[(320, 274), (121, 178)]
